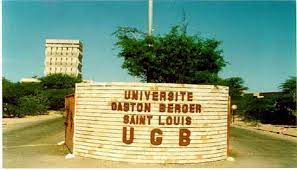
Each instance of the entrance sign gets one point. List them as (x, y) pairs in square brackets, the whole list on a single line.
[(151, 122)]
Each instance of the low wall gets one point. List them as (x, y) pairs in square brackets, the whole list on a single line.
[(151, 123)]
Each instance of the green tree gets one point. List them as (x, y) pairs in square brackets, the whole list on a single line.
[(257, 108), (18, 98), (287, 102), (8, 91), (9, 97), (56, 97), (31, 105), (289, 87), (236, 86), (277, 109), (59, 81), (56, 87), (13, 91), (172, 58)]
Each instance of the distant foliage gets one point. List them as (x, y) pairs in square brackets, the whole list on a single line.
[(278, 109), (21, 99), (10, 92), (31, 105), (257, 108), (59, 81), (289, 86), (56, 97), (236, 86), (288, 102), (14, 98)]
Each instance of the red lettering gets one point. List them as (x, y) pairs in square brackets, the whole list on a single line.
[(158, 140), (113, 106), (155, 96), (190, 96), (131, 136), (162, 107), (184, 137)]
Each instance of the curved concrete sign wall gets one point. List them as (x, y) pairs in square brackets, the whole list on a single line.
[(151, 123)]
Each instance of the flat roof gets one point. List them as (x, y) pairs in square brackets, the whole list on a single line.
[(62, 41)]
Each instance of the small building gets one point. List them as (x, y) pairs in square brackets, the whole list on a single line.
[(63, 56), (263, 94), (88, 81), (29, 80)]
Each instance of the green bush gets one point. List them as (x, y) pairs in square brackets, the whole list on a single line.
[(254, 108), (13, 91), (10, 92), (31, 105), (59, 81), (20, 99), (56, 87), (270, 109), (285, 109), (27, 89), (56, 97), (9, 110)]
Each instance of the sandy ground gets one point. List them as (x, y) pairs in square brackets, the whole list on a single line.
[(34, 145), (9, 124), (278, 129)]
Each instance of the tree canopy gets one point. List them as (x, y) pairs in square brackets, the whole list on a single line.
[(175, 57), (20, 99), (289, 101), (276, 109), (289, 86), (59, 81), (236, 86)]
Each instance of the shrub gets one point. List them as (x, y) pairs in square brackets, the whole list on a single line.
[(270, 109), (59, 81), (56, 87), (31, 105), (27, 89), (56, 97), (20, 99), (256, 108), (11, 92), (285, 109), (9, 110)]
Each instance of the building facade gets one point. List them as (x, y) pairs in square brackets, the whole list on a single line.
[(63, 56)]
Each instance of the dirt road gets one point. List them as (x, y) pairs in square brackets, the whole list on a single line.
[(9, 124), (35, 146)]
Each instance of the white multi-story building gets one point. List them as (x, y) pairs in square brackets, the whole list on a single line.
[(63, 56)]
